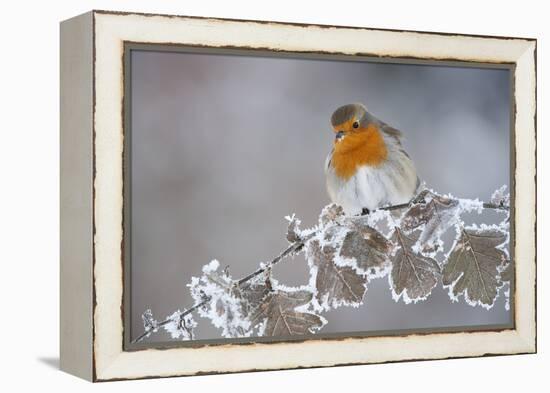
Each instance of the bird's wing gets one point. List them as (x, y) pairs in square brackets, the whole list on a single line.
[(386, 128), (328, 160), (392, 132)]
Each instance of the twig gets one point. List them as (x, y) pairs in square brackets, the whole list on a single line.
[(148, 332), (294, 247), (497, 206)]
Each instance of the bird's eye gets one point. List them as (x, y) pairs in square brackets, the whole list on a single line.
[(355, 124)]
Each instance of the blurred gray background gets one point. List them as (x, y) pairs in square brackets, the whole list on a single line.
[(223, 147)]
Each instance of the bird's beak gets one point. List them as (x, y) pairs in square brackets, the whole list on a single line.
[(339, 135)]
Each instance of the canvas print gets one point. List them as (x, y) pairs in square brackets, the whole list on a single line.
[(281, 197)]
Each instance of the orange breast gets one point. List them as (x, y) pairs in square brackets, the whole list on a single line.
[(364, 146)]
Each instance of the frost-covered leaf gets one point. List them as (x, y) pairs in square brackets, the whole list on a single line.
[(413, 275), (180, 326), (331, 213), (279, 316), (506, 277), (227, 305), (293, 232), (335, 285), (472, 267), (500, 197), (150, 324), (381, 220), (433, 215), (253, 293), (506, 274), (368, 247)]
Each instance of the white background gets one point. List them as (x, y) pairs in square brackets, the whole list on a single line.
[(29, 121)]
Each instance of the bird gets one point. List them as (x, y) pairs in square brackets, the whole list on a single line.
[(368, 167)]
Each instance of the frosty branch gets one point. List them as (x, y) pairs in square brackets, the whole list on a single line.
[(344, 253)]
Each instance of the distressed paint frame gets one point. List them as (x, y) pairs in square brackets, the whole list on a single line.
[(102, 357)]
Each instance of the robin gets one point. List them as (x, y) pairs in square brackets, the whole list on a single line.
[(367, 167)]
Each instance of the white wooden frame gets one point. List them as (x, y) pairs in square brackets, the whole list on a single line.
[(92, 194)]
